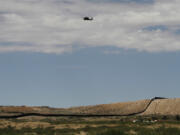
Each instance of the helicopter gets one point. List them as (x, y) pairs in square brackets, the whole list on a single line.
[(88, 18)]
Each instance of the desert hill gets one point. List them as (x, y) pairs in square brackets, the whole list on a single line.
[(141, 107), (164, 107), (123, 108)]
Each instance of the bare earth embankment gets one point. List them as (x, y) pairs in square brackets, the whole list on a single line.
[(164, 107), (151, 117), (142, 107)]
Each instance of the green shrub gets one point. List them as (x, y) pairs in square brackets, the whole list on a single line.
[(112, 132), (159, 131), (165, 117), (178, 117)]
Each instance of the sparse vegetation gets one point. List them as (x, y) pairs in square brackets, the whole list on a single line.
[(91, 126), (146, 123), (177, 117), (102, 130)]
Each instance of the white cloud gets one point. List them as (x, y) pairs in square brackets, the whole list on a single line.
[(56, 26)]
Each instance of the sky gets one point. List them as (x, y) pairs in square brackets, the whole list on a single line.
[(50, 56)]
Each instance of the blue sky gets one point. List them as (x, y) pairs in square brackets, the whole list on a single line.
[(87, 77), (50, 56)]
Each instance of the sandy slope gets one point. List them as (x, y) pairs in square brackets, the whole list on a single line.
[(164, 107), (115, 108), (159, 106)]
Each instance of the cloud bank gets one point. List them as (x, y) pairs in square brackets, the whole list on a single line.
[(56, 26)]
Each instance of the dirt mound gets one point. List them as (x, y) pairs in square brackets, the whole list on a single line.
[(164, 107), (16, 109), (142, 107), (115, 108)]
